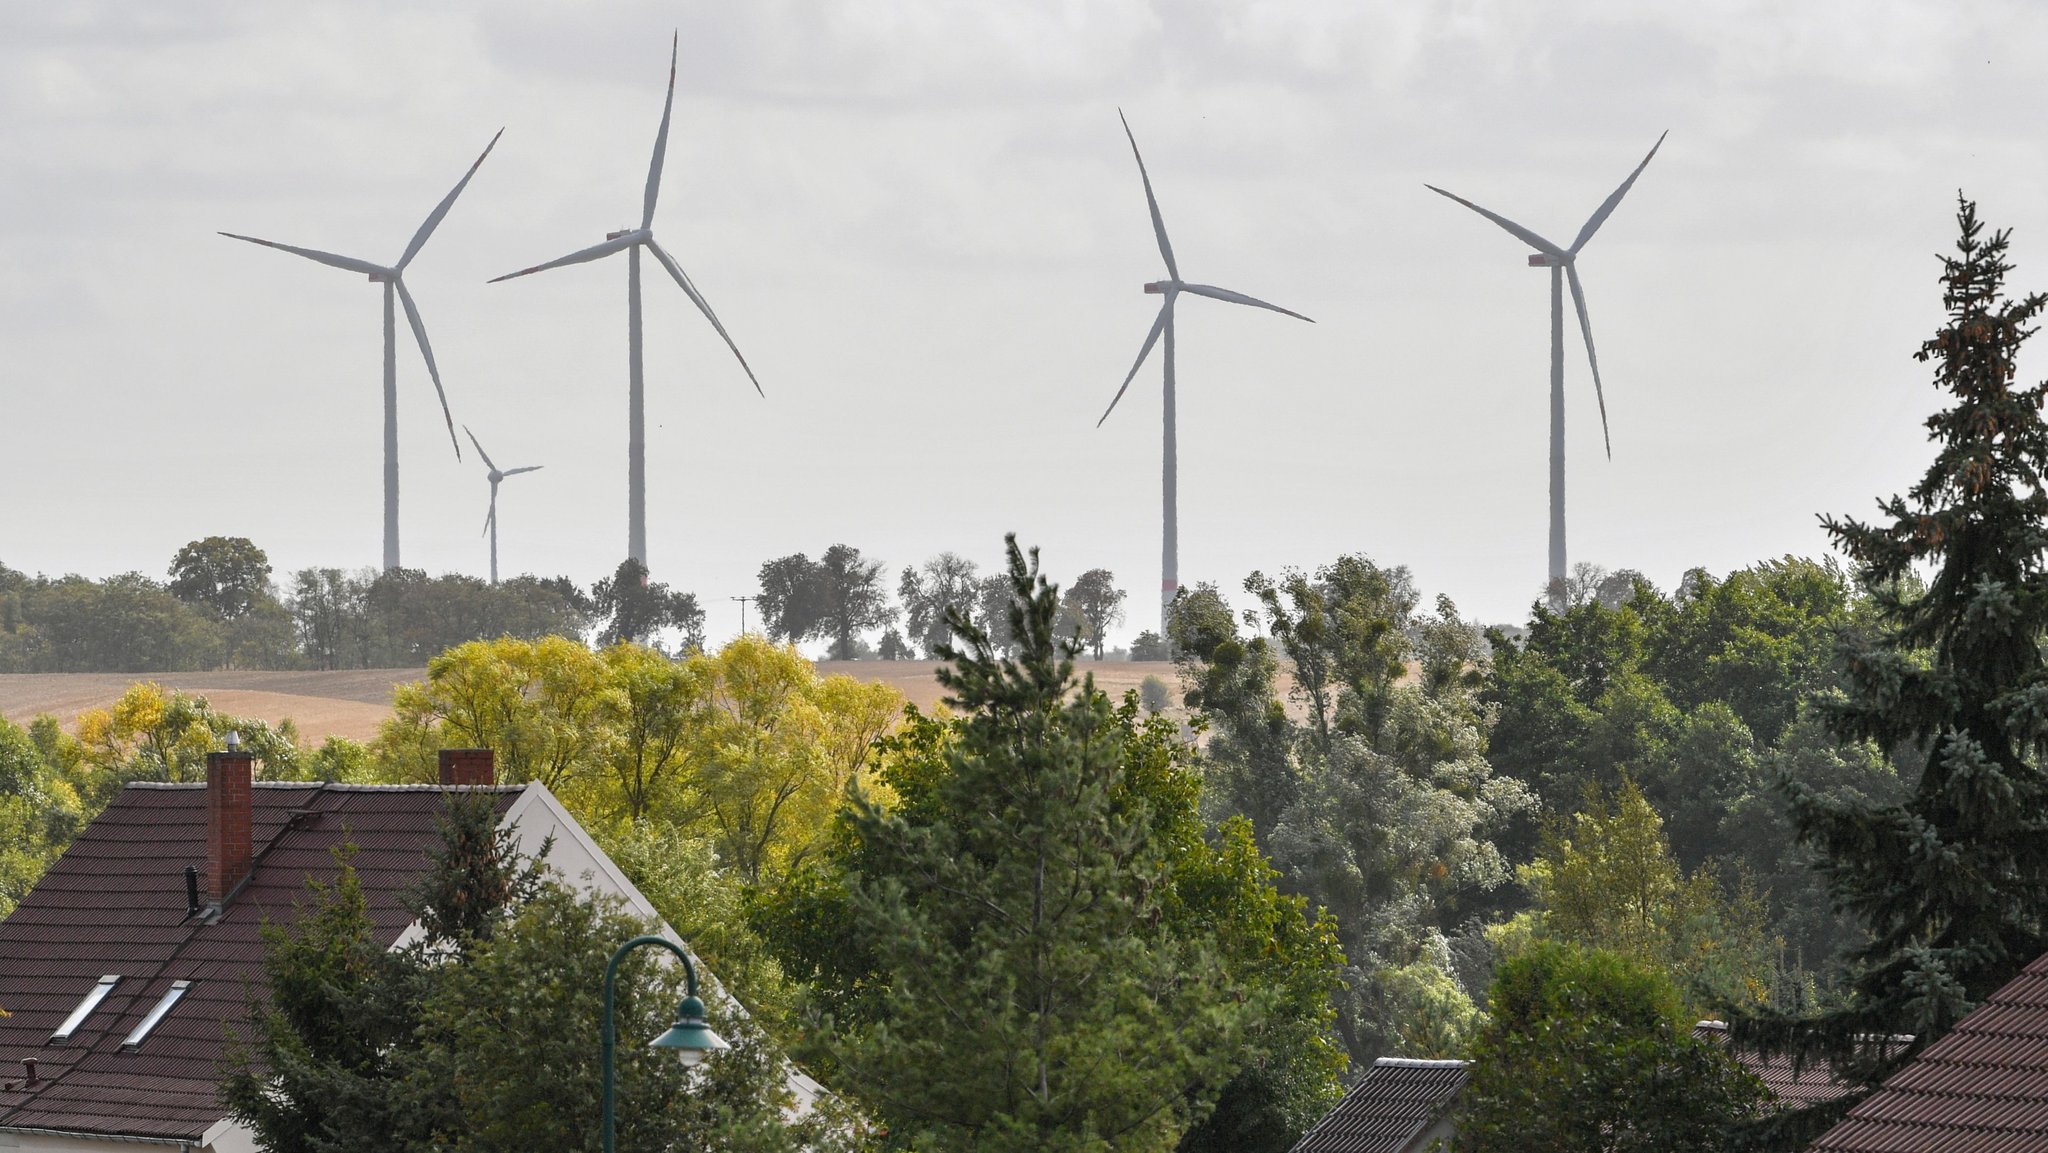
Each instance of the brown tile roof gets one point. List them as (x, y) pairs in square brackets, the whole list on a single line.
[(1984, 1086), (1792, 1086), (1394, 1103), (115, 903)]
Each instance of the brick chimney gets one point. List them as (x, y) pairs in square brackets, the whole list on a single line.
[(230, 837), (468, 767)]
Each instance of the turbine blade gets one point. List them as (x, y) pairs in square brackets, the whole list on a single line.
[(479, 448), (1215, 293), (660, 138), (1151, 338), (491, 517), (328, 258), (440, 210), (419, 332), (1520, 233), (1571, 273), (582, 256), (1151, 202), (1607, 206), (682, 281), (526, 468)]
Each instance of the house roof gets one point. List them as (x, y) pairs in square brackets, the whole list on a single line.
[(115, 904), (1793, 1085), (1983, 1086), (1393, 1103)]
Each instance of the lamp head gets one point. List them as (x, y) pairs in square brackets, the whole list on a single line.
[(691, 1036)]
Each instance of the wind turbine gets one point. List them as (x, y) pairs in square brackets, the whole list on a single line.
[(1171, 288), (1563, 264), (497, 474), (631, 241), (393, 280)]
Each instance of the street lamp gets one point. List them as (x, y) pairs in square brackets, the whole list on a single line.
[(691, 1037)]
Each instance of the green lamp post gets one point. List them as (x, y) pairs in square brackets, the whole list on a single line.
[(691, 1037)]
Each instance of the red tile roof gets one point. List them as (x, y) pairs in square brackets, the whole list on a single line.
[(1984, 1086), (1394, 1103), (115, 903)]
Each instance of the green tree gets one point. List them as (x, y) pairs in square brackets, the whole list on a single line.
[(125, 624), (1383, 809), (1032, 988), (947, 581), (851, 599), (789, 604), (332, 622), (1229, 683), (1606, 879), (40, 811), (1952, 882), (531, 999), (225, 575), (1587, 1050), (635, 609), (1099, 604)]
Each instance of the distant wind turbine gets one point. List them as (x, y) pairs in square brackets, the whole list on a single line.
[(393, 280), (1564, 267), (497, 474), (1171, 288), (631, 241)]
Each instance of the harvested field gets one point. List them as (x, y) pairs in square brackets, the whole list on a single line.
[(352, 703), (349, 703), (916, 680)]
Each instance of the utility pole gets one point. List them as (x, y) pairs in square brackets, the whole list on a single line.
[(743, 613)]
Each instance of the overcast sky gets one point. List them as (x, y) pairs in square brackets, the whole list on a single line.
[(922, 224)]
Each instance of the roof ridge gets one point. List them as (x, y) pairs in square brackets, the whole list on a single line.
[(1417, 1063)]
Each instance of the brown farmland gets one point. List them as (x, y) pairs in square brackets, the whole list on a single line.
[(353, 703)]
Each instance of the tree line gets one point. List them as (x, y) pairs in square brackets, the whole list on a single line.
[(220, 608)]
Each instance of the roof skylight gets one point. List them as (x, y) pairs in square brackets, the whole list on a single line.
[(93, 997), (171, 997)]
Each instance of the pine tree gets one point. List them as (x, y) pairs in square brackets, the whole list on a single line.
[(1038, 991), (1952, 883)]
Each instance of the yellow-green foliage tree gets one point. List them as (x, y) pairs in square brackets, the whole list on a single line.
[(1606, 879), (702, 775), (535, 703), (747, 747), (156, 734)]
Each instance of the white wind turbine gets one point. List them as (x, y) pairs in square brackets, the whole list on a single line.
[(496, 474), (1564, 268), (393, 280), (1171, 288), (631, 241)]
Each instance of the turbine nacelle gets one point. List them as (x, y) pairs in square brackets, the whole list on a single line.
[(1157, 287), (1545, 260), (636, 233)]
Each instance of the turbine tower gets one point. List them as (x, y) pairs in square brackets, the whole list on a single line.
[(496, 475), (393, 280), (1563, 264), (631, 241), (1171, 288)]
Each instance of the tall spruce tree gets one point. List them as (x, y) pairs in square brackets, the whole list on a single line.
[(1952, 883), (1037, 991)]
